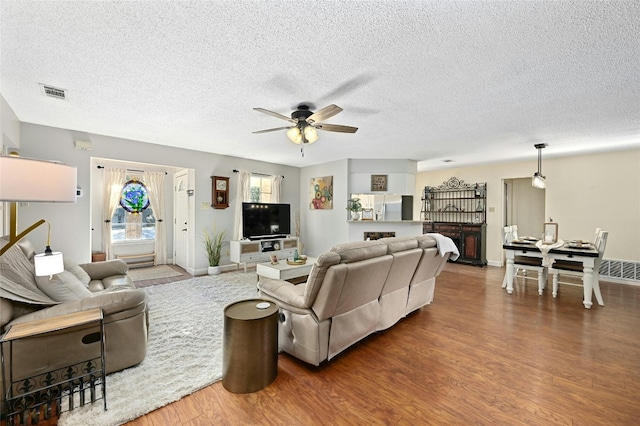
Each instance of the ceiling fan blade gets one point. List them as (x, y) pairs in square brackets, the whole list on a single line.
[(274, 129), (324, 113), (335, 128), (275, 114)]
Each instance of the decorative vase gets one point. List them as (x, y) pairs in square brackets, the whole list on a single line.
[(214, 270), (355, 215)]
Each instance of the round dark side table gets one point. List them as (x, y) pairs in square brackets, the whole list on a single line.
[(250, 345)]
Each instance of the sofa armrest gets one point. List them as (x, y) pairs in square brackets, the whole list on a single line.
[(111, 303), (283, 292), (101, 270)]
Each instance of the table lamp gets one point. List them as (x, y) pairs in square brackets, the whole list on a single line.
[(34, 181)]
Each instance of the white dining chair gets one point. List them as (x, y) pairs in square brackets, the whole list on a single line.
[(566, 267), (524, 263)]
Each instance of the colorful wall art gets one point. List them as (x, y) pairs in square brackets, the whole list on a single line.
[(321, 193)]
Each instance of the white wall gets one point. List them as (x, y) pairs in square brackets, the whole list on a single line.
[(71, 223), (583, 193), (9, 126), (9, 138), (322, 229)]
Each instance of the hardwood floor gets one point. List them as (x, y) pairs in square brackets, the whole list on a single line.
[(475, 356)]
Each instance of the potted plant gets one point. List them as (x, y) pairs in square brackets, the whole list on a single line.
[(355, 207), (213, 242)]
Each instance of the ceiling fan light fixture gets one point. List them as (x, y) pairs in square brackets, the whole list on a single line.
[(310, 134), (295, 135)]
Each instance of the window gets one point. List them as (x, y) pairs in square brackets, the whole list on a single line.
[(133, 219), (261, 188)]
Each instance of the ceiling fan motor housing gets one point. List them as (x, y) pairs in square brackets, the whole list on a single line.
[(301, 113)]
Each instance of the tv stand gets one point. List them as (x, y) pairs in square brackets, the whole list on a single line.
[(255, 251)]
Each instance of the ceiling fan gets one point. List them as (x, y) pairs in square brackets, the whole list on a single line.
[(306, 123)]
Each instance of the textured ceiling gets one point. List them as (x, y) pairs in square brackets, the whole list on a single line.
[(473, 82)]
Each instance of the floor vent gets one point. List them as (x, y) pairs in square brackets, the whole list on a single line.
[(622, 269), (54, 92)]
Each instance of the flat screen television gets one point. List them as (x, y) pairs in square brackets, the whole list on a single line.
[(265, 220)]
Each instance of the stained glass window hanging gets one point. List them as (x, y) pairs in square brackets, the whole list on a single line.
[(134, 198)]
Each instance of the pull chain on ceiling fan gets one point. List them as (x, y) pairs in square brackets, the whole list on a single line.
[(306, 123)]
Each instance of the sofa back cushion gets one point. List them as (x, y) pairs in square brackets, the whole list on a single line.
[(317, 276), (6, 312), (63, 287), (73, 267), (429, 266), (397, 244), (350, 285), (360, 250), (426, 241), (27, 248), (402, 270)]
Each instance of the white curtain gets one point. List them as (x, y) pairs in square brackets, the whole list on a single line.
[(155, 187), (242, 194), (113, 181), (276, 187)]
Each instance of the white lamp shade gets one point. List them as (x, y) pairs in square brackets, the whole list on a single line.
[(295, 135), (28, 180), (48, 264), (310, 134)]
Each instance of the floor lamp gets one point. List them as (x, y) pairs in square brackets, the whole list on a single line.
[(35, 181)]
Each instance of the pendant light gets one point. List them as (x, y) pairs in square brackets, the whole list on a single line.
[(538, 180)]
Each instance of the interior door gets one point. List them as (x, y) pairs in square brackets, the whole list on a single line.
[(181, 215), (526, 208)]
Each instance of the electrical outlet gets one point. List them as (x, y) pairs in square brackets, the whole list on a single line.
[(205, 206), (492, 209)]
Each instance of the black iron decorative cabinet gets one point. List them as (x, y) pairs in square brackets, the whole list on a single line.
[(457, 210)]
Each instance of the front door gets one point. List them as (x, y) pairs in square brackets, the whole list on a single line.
[(181, 214)]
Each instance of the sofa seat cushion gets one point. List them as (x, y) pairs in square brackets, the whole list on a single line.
[(63, 287)]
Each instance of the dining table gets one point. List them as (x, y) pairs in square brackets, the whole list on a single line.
[(584, 253)]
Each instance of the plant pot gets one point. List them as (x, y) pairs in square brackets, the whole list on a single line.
[(214, 270), (355, 215)]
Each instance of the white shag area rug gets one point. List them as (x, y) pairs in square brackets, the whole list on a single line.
[(152, 273), (184, 352)]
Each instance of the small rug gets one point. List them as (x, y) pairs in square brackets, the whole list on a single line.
[(184, 353), (152, 273)]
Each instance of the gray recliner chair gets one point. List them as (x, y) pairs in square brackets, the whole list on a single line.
[(25, 297)]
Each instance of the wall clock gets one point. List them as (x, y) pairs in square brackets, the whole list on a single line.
[(219, 192)]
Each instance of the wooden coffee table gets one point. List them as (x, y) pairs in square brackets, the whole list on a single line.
[(283, 271)]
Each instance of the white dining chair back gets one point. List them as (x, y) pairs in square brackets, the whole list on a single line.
[(523, 264), (575, 268), (514, 232), (507, 235)]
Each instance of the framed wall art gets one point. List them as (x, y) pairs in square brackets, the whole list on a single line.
[(378, 183), (321, 193)]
